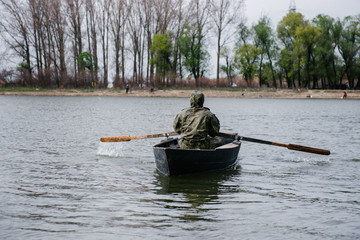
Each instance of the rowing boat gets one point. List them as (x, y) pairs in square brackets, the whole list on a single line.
[(171, 160)]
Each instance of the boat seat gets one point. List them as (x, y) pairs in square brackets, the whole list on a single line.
[(229, 145)]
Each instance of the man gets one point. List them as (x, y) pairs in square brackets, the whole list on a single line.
[(197, 125), (345, 95)]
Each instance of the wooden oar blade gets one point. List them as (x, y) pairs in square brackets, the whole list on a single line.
[(115, 139), (308, 149), (289, 146), (129, 138)]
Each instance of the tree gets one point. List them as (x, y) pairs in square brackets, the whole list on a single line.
[(285, 64), (193, 38), (326, 50), (265, 41), (349, 46), (161, 50), (246, 61), (86, 62), (159, 17), (38, 35), (59, 25), (224, 14), (136, 33), (104, 33), (118, 18), (91, 29), (358, 72), (246, 55), (193, 51), (75, 19), (16, 28), (48, 39), (306, 39), (286, 31), (228, 68)]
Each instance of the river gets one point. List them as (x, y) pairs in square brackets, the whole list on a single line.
[(59, 182)]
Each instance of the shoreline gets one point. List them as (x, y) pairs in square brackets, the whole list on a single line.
[(185, 93)]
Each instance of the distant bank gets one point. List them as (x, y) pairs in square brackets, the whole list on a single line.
[(222, 93)]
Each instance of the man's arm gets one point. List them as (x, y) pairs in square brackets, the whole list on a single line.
[(214, 127)]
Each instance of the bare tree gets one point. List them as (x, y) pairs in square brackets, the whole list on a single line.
[(148, 9), (164, 14), (136, 32), (178, 26), (17, 34), (179, 22), (104, 32), (159, 17), (37, 21), (42, 39), (91, 29), (224, 13), (119, 15), (75, 19), (59, 24)]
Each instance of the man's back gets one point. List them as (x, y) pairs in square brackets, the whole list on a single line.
[(195, 124)]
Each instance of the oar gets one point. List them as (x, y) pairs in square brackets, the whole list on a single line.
[(289, 146), (129, 138)]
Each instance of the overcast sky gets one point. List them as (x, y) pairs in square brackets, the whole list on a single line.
[(277, 9)]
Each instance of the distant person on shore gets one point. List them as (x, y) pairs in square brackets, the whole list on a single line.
[(345, 95), (197, 125), (127, 88)]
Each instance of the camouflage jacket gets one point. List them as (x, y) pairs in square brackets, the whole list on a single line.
[(195, 124)]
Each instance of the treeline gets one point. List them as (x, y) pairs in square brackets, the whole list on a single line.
[(155, 43)]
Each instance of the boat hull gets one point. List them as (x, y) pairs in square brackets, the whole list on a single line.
[(172, 160)]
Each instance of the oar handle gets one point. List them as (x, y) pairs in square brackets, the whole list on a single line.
[(289, 146)]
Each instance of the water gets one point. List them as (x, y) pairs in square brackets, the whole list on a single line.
[(58, 181)]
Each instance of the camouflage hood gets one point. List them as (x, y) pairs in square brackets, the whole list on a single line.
[(197, 100)]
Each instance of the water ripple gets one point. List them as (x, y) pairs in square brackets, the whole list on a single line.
[(59, 182)]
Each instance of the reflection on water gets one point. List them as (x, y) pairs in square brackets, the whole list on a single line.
[(200, 191), (59, 182)]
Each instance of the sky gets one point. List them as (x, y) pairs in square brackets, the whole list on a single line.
[(277, 9)]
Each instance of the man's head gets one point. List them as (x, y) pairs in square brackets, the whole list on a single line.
[(197, 100)]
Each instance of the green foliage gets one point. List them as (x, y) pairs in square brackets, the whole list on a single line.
[(246, 55), (349, 45), (286, 29), (193, 51), (307, 38), (265, 41), (23, 66), (161, 50), (263, 32), (246, 61), (86, 61), (327, 60), (290, 57)]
